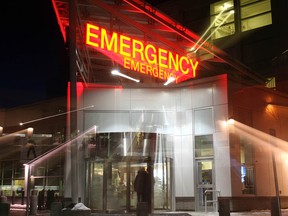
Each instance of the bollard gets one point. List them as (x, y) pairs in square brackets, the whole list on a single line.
[(275, 207), (33, 203), (13, 197), (223, 206), (3, 199), (4, 206), (22, 197), (55, 209)]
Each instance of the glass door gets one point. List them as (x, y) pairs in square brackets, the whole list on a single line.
[(162, 185), (95, 185), (111, 186), (205, 190), (117, 181), (142, 185)]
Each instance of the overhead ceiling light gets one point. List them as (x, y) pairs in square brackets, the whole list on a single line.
[(117, 73), (170, 79)]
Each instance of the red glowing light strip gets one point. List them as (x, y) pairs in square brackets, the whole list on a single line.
[(59, 20), (134, 55)]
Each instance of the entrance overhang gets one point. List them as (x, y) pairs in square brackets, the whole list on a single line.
[(140, 20)]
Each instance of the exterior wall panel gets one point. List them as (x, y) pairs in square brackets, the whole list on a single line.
[(179, 113)]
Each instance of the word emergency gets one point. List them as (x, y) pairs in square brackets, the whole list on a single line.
[(137, 56)]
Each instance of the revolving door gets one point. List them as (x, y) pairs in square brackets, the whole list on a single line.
[(110, 181)]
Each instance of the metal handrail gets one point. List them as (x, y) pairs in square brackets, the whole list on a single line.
[(216, 200)]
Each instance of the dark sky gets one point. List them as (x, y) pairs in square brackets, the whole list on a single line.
[(33, 54), (33, 57)]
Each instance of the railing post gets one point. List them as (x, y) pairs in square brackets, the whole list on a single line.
[(205, 200)]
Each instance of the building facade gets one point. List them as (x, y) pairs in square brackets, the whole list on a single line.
[(180, 133)]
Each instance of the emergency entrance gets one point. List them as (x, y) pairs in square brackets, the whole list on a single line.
[(111, 173)]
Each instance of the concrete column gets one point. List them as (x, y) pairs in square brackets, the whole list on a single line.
[(73, 99)]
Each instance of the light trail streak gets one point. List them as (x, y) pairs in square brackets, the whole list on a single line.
[(228, 15), (52, 116), (60, 147), (261, 139), (211, 25), (117, 73)]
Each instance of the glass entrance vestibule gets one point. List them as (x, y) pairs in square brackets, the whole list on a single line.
[(114, 161)]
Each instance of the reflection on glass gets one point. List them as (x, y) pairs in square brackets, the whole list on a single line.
[(220, 18), (162, 192), (96, 186), (114, 174), (205, 172), (204, 146), (116, 187), (255, 14), (205, 185), (247, 166)]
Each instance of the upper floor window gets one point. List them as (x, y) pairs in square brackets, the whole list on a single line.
[(204, 146), (222, 19), (271, 83), (255, 14)]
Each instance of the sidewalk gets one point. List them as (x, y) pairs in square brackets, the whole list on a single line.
[(20, 210)]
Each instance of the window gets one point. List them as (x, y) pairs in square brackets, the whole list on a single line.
[(222, 19), (204, 146), (203, 121), (247, 168), (271, 83), (255, 14)]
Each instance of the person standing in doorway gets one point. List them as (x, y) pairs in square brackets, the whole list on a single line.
[(139, 185)]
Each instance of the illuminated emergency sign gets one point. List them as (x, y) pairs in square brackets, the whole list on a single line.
[(134, 55)]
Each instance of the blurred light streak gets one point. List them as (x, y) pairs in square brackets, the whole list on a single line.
[(260, 138), (60, 147), (117, 73), (52, 116), (228, 15), (170, 80), (207, 30), (11, 135)]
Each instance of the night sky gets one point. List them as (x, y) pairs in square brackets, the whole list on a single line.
[(33, 58), (34, 62)]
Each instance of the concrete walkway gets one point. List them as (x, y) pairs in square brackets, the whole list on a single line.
[(20, 210)]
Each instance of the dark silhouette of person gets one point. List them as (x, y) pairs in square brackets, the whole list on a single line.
[(148, 188), (31, 148), (50, 198), (246, 182), (41, 199), (140, 185)]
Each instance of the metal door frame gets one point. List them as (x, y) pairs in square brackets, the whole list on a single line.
[(204, 186)]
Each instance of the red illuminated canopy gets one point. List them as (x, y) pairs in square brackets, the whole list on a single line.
[(143, 40)]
